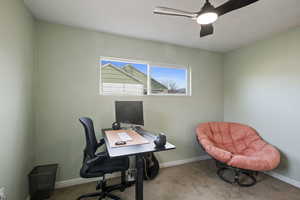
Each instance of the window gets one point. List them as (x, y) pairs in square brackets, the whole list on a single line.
[(168, 80), (128, 77), (123, 78)]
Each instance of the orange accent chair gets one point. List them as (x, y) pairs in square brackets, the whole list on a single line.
[(238, 148)]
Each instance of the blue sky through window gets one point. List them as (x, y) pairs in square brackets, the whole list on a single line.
[(164, 74)]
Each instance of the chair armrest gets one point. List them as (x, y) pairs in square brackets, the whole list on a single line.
[(101, 142), (98, 157)]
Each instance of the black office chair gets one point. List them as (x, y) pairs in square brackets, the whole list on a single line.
[(98, 164)]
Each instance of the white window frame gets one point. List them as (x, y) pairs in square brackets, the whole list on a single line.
[(149, 64)]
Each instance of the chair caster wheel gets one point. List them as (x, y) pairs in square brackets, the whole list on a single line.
[(99, 185), (122, 189)]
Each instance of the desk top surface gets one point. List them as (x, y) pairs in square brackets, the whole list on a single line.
[(135, 149)]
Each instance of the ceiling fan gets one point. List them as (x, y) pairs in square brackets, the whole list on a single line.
[(207, 15)]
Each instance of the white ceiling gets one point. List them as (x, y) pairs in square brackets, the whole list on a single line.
[(134, 18)]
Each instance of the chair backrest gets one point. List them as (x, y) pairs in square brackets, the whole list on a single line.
[(90, 137)]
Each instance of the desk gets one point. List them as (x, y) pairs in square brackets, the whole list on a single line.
[(137, 151)]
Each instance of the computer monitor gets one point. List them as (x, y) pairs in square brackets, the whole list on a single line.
[(129, 112)]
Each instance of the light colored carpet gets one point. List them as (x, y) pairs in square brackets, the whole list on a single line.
[(192, 182)]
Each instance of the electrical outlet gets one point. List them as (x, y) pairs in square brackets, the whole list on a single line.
[(2, 194)]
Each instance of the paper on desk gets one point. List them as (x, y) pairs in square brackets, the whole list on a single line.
[(124, 136)]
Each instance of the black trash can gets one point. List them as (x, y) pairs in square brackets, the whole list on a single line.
[(42, 181)]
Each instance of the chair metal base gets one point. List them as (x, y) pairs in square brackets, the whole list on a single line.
[(237, 175), (106, 190)]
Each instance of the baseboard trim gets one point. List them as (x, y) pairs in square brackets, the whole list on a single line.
[(79, 181), (185, 161), (284, 178)]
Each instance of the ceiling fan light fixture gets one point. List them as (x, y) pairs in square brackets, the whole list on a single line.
[(207, 18), (208, 13)]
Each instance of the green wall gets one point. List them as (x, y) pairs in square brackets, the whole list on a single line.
[(17, 31), (260, 87), (67, 88), (262, 84)]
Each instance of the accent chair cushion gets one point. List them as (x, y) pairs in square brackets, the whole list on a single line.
[(237, 145)]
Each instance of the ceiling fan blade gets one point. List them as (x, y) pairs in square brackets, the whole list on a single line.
[(233, 5), (173, 12), (206, 30)]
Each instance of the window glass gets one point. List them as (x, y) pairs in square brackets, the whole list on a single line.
[(167, 80), (128, 77), (123, 78)]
